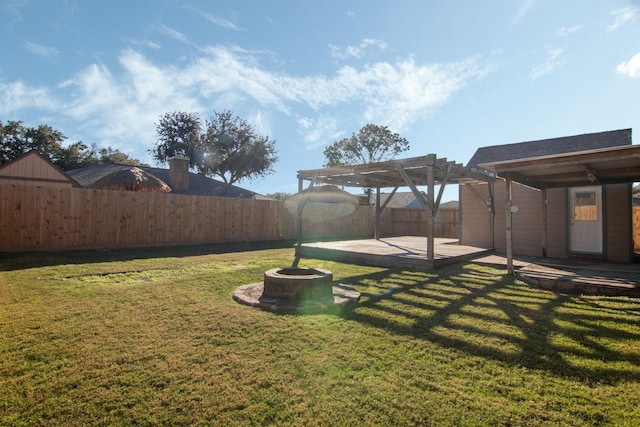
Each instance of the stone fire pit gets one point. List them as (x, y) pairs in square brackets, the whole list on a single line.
[(296, 289)]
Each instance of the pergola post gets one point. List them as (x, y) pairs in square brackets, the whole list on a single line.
[(430, 214), (299, 216), (509, 223), (543, 195), (376, 233), (492, 214)]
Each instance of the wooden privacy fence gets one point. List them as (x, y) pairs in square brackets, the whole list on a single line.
[(413, 222), (47, 218)]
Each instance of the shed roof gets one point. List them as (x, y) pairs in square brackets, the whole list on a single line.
[(594, 159), (551, 146)]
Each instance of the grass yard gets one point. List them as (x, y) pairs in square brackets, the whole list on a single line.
[(154, 338)]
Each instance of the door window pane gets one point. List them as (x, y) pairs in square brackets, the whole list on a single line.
[(585, 206)]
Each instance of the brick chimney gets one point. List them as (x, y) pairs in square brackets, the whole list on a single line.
[(179, 172)]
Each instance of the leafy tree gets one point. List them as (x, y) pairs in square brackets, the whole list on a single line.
[(110, 155), (16, 139), (371, 144), (228, 148), (234, 151), (178, 132), (279, 195), (76, 155)]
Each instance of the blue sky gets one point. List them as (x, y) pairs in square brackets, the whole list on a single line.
[(449, 75)]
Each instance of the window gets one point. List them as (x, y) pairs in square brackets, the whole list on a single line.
[(585, 206)]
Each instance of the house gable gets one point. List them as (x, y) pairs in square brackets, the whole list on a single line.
[(34, 169)]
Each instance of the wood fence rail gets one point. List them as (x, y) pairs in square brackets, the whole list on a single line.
[(47, 218)]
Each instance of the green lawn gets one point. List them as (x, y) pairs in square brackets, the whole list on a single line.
[(154, 338)]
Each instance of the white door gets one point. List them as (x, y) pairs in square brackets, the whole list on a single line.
[(585, 219)]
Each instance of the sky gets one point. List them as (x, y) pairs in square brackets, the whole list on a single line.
[(450, 76)]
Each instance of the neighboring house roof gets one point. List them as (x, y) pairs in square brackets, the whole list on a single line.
[(325, 194), (199, 185), (406, 199), (132, 179), (548, 147), (32, 168)]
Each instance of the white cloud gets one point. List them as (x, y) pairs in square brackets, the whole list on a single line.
[(318, 130), (174, 34), (630, 68), (554, 60), (622, 16), (119, 107), (219, 21), (17, 96), (346, 52), (37, 49), (566, 31)]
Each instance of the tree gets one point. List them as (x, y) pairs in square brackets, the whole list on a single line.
[(75, 156), (178, 132), (278, 195), (110, 155), (372, 144), (16, 139), (234, 151), (229, 148)]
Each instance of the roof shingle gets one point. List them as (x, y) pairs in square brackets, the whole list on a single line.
[(552, 146)]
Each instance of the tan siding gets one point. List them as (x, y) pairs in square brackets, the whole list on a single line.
[(475, 216), (557, 223), (618, 223), (33, 170), (527, 222), (636, 228)]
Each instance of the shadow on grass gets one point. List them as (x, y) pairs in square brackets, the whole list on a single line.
[(10, 261), (489, 314)]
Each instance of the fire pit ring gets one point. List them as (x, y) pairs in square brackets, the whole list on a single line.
[(296, 289), (296, 283)]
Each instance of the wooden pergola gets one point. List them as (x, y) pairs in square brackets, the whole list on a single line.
[(411, 172)]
